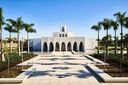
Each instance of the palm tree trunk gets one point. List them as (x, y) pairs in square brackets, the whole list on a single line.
[(107, 44), (1, 43), (28, 41), (18, 43), (127, 48), (121, 46), (122, 42), (10, 36), (115, 43), (98, 41)]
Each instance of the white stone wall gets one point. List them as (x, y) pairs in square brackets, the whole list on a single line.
[(36, 44), (60, 40), (64, 37), (89, 44), (69, 34)]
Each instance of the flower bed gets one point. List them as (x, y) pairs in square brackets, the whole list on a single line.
[(13, 71)]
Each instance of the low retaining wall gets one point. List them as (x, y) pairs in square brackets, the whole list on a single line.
[(10, 81), (97, 61), (105, 77)]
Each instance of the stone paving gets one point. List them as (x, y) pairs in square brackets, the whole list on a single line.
[(63, 70)]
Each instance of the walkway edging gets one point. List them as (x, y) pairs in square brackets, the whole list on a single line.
[(20, 78), (105, 77)]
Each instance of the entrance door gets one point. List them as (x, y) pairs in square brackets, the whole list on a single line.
[(63, 47)]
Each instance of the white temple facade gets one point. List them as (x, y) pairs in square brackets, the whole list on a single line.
[(63, 41)]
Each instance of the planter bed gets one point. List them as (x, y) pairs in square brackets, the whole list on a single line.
[(14, 60), (113, 71), (20, 78), (13, 71), (95, 60), (105, 76)]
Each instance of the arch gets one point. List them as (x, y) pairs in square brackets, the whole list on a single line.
[(81, 47), (51, 47), (63, 48), (69, 47), (57, 47), (63, 35), (45, 47), (60, 35), (75, 47), (63, 29)]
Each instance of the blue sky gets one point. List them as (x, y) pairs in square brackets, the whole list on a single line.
[(48, 15)]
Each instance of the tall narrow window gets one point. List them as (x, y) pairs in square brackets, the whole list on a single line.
[(63, 29), (65, 35)]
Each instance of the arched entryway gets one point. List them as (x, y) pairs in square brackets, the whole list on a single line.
[(81, 47), (51, 47), (63, 47), (57, 47), (69, 47), (75, 47), (45, 47)]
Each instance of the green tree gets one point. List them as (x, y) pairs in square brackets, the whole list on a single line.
[(126, 35), (106, 23), (1, 25), (126, 41), (121, 21), (18, 25), (10, 29), (29, 29), (115, 25), (97, 28)]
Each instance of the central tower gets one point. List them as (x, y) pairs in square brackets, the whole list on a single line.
[(63, 32), (63, 28)]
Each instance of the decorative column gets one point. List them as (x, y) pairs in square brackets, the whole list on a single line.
[(65, 47), (78, 47), (48, 47), (54, 47)]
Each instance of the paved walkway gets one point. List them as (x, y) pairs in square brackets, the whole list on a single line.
[(62, 70)]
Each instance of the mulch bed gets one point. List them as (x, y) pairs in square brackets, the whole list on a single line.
[(13, 71), (113, 71)]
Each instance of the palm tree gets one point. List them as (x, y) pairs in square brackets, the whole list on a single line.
[(115, 25), (10, 29), (121, 20), (103, 41), (29, 29), (106, 23), (126, 35), (18, 24), (97, 28), (1, 25), (126, 41)]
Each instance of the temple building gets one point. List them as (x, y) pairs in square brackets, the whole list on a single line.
[(63, 41)]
